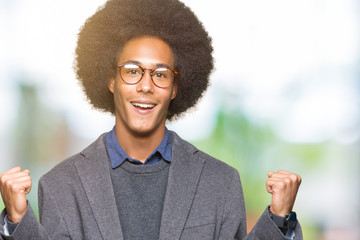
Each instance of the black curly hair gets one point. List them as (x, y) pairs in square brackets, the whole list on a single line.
[(103, 36)]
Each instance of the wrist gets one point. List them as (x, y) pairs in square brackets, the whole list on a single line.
[(15, 217), (279, 212)]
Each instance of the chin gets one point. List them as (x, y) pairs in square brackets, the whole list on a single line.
[(143, 129)]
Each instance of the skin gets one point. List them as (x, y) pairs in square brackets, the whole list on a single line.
[(139, 131)]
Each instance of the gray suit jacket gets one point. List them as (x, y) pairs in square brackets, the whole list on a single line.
[(203, 200)]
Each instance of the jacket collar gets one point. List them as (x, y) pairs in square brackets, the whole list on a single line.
[(184, 175), (94, 173)]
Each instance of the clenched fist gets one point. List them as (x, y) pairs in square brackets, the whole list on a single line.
[(283, 186), (14, 185)]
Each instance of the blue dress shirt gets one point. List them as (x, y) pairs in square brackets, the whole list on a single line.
[(118, 155)]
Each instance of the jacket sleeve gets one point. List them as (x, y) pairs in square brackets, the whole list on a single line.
[(52, 225), (234, 218), (265, 229)]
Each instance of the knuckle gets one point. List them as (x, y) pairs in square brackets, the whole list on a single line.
[(294, 177), (3, 178)]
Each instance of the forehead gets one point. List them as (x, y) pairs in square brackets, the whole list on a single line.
[(147, 51)]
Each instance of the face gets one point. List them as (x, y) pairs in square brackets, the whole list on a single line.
[(141, 108)]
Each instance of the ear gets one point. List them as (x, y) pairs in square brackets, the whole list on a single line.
[(174, 91), (111, 84)]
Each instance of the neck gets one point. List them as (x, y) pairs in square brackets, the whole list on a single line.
[(137, 145)]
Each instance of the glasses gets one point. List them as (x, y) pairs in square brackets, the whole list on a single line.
[(162, 77)]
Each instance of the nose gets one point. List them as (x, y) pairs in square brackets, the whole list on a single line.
[(145, 85)]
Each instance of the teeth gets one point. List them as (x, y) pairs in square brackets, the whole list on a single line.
[(143, 105)]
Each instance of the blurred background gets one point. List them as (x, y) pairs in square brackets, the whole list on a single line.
[(285, 95)]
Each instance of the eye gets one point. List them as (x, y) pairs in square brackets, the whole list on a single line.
[(161, 73), (132, 69)]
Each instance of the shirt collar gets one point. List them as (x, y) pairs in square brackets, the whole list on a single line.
[(118, 155)]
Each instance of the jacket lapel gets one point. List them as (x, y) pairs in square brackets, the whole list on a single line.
[(94, 174), (185, 171)]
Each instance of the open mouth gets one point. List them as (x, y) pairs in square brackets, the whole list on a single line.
[(143, 105)]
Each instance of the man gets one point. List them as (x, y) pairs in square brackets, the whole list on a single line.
[(144, 61)]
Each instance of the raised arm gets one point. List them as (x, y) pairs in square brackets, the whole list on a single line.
[(283, 186), (18, 221), (273, 224), (14, 185)]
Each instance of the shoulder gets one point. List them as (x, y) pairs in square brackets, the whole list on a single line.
[(212, 166), (66, 170), (218, 183)]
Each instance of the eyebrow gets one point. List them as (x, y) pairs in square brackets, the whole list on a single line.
[(157, 65)]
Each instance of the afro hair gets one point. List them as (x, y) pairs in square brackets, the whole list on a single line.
[(103, 36)]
